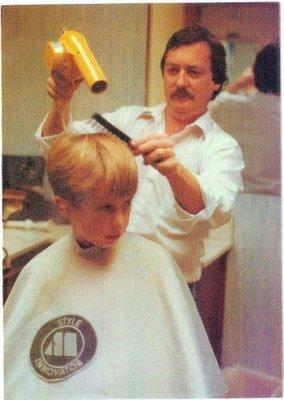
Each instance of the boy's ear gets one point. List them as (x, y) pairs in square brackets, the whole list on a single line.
[(63, 207)]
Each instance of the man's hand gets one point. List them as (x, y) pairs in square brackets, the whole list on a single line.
[(158, 151), (59, 88)]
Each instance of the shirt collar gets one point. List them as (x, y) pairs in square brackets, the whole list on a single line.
[(204, 122), (157, 113)]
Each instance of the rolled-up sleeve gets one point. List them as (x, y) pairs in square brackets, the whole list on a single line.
[(120, 118), (46, 141), (221, 181)]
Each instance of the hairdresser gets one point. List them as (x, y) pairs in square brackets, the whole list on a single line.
[(190, 169)]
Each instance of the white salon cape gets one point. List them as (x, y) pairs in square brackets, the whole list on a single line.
[(150, 339)]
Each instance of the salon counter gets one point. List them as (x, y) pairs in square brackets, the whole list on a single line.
[(21, 238)]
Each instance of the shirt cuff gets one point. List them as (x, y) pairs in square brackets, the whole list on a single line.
[(211, 211), (214, 212), (184, 215), (209, 196), (203, 214), (217, 210), (46, 141)]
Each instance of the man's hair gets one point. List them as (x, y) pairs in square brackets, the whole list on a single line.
[(197, 34), (266, 69), (101, 162)]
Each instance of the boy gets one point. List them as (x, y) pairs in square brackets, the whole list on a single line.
[(103, 313)]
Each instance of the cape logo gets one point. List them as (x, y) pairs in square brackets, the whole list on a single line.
[(62, 347)]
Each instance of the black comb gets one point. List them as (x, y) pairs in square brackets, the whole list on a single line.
[(101, 120)]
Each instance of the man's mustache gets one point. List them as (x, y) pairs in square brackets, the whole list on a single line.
[(181, 93)]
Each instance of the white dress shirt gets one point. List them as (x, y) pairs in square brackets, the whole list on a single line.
[(209, 153)]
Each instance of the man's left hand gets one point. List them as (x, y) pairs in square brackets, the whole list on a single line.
[(158, 151)]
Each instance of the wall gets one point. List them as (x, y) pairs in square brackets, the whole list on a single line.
[(164, 20), (221, 18), (117, 35), (254, 22)]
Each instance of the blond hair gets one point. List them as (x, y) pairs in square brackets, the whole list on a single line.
[(76, 163)]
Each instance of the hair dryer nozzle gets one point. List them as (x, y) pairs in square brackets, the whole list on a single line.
[(98, 86)]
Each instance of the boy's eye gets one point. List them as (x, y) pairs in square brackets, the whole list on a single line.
[(109, 208)]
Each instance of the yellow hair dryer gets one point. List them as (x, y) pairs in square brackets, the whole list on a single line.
[(72, 57)]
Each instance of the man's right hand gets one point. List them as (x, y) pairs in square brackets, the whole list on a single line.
[(59, 88)]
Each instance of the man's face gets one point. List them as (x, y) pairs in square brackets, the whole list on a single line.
[(100, 222), (188, 80)]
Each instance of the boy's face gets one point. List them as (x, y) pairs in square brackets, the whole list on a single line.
[(99, 222)]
